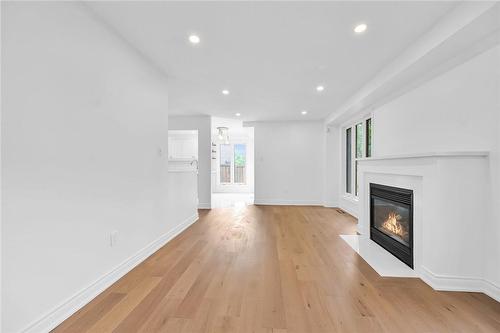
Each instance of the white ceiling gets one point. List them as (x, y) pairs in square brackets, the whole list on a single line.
[(270, 55)]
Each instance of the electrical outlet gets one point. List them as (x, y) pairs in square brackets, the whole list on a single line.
[(113, 237)]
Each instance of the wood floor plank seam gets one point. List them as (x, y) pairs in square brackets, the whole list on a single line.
[(274, 269)]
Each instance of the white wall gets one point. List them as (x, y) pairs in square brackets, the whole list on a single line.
[(84, 117), (289, 162), (203, 125), (1, 186), (182, 199), (492, 272), (333, 168), (457, 111)]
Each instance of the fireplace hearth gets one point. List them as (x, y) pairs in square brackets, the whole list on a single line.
[(391, 220)]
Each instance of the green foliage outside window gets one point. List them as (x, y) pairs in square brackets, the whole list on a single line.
[(240, 158), (359, 140)]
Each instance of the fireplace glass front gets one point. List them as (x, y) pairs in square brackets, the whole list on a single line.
[(391, 220)]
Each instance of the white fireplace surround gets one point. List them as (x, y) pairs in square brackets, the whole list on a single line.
[(450, 212)]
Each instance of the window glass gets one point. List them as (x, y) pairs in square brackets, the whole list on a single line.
[(358, 145), (348, 159), (359, 140), (369, 137), (240, 163), (225, 163)]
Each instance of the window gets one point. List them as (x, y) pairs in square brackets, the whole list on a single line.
[(359, 153), (369, 137), (348, 160), (240, 163), (359, 140), (225, 163), (362, 142), (233, 164)]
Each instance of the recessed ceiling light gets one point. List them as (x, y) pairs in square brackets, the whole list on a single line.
[(360, 28), (304, 112), (320, 88), (238, 114), (225, 92), (194, 39)]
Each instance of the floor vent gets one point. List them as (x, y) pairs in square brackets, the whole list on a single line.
[(340, 211)]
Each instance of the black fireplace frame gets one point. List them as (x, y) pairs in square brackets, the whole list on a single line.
[(402, 196)]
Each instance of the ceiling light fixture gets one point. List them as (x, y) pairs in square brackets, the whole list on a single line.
[(222, 135), (320, 88), (194, 39), (304, 112), (225, 92), (360, 28), (238, 114)]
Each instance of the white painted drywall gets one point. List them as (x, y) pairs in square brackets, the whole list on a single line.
[(203, 125), (456, 111), (492, 271), (289, 162), (182, 197), (84, 117), (1, 209), (333, 169)]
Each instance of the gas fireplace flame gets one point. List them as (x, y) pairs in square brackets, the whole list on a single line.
[(392, 224)]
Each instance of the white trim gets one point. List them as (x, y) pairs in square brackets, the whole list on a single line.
[(351, 197), (457, 283), (352, 123), (182, 171), (491, 289), (350, 212), (232, 186), (348, 203), (472, 153), (278, 202), (183, 165), (63, 311), (204, 205)]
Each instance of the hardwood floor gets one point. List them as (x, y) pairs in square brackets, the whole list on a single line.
[(274, 269)]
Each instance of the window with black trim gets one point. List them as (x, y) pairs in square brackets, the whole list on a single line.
[(348, 160), (357, 146)]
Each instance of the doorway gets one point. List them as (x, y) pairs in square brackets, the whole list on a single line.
[(232, 164)]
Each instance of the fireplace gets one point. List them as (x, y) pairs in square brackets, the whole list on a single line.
[(391, 220)]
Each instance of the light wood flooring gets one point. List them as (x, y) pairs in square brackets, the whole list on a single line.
[(274, 269)]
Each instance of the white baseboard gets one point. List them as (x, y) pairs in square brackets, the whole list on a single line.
[(330, 204), (204, 205), (349, 211), (274, 202), (458, 283), (60, 313), (349, 204), (491, 289)]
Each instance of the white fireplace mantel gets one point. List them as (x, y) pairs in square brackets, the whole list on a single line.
[(450, 210), (473, 153)]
